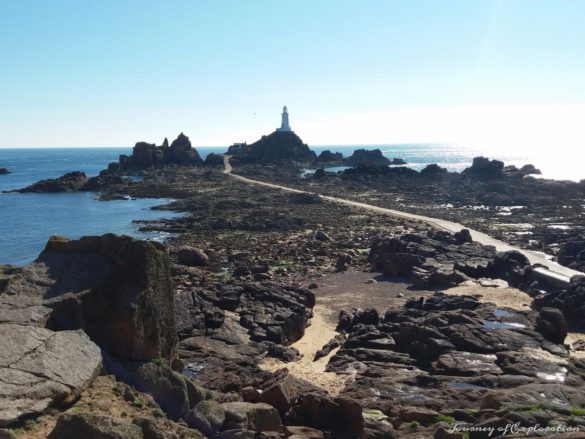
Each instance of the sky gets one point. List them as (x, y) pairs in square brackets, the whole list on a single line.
[(495, 74)]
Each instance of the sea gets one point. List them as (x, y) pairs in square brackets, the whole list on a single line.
[(28, 220)]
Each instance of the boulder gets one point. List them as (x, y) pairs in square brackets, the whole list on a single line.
[(206, 416), (4, 171), (40, 368), (168, 388), (191, 256), (70, 182), (117, 289), (249, 416), (86, 425), (552, 325)]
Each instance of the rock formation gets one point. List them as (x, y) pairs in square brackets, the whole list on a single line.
[(330, 157), (145, 155), (485, 168), (364, 157), (4, 171), (276, 147), (70, 182), (444, 260), (117, 289)]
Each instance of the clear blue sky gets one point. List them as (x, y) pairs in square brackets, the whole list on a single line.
[(112, 72)]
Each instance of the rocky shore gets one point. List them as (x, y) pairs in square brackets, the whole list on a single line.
[(281, 315)]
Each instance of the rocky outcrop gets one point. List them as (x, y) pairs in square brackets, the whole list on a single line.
[(452, 358), (572, 254), (330, 157), (444, 260), (365, 157), (70, 182), (117, 289), (145, 155), (514, 172), (40, 368), (4, 171), (571, 302), (89, 425), (398, 162), (106, 177), (276, 147), (214, 159), (485, 168), (433, 170)]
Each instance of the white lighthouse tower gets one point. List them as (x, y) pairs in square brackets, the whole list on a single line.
[(284, 126)]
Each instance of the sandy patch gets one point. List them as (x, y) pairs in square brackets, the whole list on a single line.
[(316, 335), (502, 297)]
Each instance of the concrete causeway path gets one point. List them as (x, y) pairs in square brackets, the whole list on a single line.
[(554, 272)]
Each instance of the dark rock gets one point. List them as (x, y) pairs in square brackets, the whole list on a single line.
[(280, 395), (571, 301), (320, 235), (433, 170), (398, 162), (207, 416), (485, 168), (128, 310), (328, 156), (552, 324), (70, 182), (145, 155), (572, 253), (276, 147), (4, 171), (305, 432), (364, 157), (86, 425), (117, 289), (106, 178), (191, 256), (248, 416), (214, 159), (167, 387)]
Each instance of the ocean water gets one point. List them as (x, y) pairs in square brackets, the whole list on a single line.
[(27, 220)]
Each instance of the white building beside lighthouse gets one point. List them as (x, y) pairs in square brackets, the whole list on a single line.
[(284, 126)]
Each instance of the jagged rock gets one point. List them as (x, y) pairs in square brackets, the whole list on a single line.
[(86, 425), (364, 157), (248, 416), (107, 177), (145, 155), (276, 147), (444, 260), (4, 171), (40, 368), (398, 162), (191, 256), (207, 416), (117, 289), (70, 182)]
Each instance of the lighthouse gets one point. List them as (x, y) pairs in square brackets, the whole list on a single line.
[(284, 126)]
